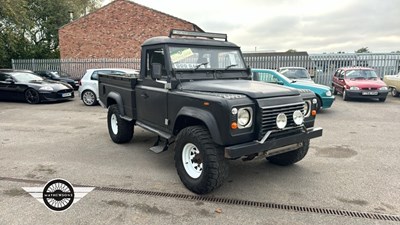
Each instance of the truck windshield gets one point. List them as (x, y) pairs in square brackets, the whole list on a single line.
[(197, 58)]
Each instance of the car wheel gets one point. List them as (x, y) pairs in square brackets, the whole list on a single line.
[(319, 104), (32, 96), (291, 157), (394, 92), (120, 130), (200, 163), (382, 99), (89, 98), (345, 98), (334, 92)]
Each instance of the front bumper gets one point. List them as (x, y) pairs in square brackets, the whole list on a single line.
[(359, 94), (56, 96), (255, 147), (327, 101)]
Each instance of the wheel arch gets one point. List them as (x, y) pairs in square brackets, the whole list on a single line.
[(189, 116), (115, 98)]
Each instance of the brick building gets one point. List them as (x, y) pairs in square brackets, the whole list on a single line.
[(116, 30)]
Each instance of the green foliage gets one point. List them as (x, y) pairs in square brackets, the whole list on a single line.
[(363, 50), (29, 28), (291, 50)]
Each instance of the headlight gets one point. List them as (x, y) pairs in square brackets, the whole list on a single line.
[(244, 117), (306, 108), (383, 88), (46, 88), (328, 93), (298, 117), (354, 88), (281, 120)]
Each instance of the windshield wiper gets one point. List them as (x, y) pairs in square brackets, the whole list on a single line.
[(226, 68), (201, 64)]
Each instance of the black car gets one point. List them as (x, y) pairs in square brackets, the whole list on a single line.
[(58, 76), (24, 85)]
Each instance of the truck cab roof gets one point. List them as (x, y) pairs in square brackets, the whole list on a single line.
[(188, 41)]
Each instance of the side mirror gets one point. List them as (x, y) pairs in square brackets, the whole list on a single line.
[(9, 80), (156, 71)]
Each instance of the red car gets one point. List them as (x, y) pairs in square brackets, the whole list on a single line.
[(358, 82)]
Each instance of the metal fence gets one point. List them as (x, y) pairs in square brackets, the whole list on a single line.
[(321, 65), (74, 67)]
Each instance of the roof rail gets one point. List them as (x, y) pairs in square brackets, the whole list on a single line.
[(186, 33)]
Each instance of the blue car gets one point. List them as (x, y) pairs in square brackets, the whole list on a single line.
[(325, 98)]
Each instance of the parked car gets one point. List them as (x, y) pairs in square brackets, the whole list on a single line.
[(358, 82), (88, 87), (58, 76), (324, 95), (296, 73), (393, 82), (24, 85)]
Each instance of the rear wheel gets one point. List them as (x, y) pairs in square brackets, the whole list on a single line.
[(334, 92), (200, 163), (32, 96), (120, 130), (394, 92), (291, 157), (89, 98)]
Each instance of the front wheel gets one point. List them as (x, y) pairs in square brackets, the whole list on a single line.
[(32, 96), (120, 130), (345, 97), (291, 157), (200, 163)]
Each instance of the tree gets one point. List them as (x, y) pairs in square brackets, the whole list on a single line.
[(363, 50), (29, 28), (291, 50)]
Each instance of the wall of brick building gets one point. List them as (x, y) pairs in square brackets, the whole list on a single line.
[(116, 31)]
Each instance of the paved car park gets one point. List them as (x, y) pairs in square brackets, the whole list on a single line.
[(353, 167)]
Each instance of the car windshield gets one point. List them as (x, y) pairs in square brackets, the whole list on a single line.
[(197, 58), (295, 73), (25, 77), (361, 74)]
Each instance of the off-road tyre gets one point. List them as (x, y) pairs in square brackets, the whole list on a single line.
[(120, 130)]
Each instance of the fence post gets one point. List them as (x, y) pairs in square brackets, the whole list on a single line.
[(33, 65), (12, 64)]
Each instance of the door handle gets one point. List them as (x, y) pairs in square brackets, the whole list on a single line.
[(144, 95)]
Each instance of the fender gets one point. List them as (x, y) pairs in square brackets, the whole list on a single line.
[(118, 99), (206, 117)]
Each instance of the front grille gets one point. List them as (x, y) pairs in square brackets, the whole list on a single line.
[(269, 114), (370, 89)]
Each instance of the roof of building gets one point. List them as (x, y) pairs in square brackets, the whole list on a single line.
[(134, 3)]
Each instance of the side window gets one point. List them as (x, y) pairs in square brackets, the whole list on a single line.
[(267, 77), (336, 73), (155, 56), (341, 75), (95, 74)]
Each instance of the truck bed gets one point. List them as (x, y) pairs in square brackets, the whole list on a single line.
[(119, 85)]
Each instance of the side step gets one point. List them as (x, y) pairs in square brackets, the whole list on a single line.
[(160, 145)]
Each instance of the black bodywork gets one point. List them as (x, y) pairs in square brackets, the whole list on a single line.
[(15, 90), (58, 76), (176, 98)]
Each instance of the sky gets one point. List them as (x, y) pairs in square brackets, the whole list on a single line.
[(315, 26)]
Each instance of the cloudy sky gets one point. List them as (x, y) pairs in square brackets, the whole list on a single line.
[(315, 26)]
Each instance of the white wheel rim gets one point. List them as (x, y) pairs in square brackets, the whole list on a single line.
[(192, 161), (114, 124), (88, 97)]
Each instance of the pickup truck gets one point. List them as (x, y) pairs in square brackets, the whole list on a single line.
[(196, 94)]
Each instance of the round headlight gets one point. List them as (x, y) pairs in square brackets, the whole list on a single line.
[(306, 108), (234, 111), (243, 117), (298, 117), (281, 120)]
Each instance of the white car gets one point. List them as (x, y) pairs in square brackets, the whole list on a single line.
[(89, 89)]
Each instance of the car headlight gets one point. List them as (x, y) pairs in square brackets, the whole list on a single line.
[(354, 88), (328, 93), (244, 117), (281, 120), (298, 117), (306, 108), (46, 88), (383, 88)]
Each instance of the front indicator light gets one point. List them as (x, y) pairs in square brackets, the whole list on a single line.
[(234, 126), (314, 112)]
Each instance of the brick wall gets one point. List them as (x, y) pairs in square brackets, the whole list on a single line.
[(115, 31)]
